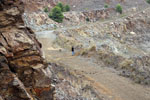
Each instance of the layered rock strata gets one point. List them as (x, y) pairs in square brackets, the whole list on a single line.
[(23, 73)]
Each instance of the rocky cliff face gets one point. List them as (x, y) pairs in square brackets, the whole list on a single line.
[(23, 73)]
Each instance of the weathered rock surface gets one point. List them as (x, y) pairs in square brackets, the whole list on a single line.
[(23, 73)]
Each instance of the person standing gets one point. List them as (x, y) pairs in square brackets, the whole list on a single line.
[(72, 49)]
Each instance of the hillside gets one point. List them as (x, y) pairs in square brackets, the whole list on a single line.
[(112, 50), (117, 42), (121, 39), (38, 20)]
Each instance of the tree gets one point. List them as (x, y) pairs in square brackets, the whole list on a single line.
[(119, 8), (148, 1), (61, 6), (67, 8), (56, 14)]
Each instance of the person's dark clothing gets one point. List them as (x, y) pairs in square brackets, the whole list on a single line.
[(73, 49)]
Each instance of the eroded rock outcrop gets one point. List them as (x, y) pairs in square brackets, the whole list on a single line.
[(23, 73)]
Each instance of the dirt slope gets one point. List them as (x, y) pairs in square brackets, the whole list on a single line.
[(121, 45), (106, 80)]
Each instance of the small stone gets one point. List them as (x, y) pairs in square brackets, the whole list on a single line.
[(27, 72), (143, 12), (111, 23), (52, 85), (132, 33), (134, 9), (118, 36), (15, 82), (37, 66)]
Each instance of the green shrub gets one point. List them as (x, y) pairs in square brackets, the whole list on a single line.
[(119, 8), (67, 8), (46, 9), (61, 6), (55, 27), (106, 6), (148, 1), (56, 14), (87, 19), (86, 8)]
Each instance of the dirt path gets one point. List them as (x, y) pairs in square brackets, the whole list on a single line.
[(105, 80)]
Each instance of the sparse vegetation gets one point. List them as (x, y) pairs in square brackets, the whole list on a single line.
[(148, 1), (55, 27), (126, 64), (46, 9), (119, 8), (92, 48), (87, 19), (122, 15), (106, 6), (67, 8), (86, 8), (63, 7), (56, 14)]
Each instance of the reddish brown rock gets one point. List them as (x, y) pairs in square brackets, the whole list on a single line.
[(23, 73)]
